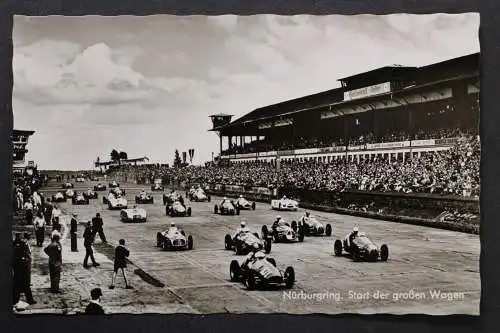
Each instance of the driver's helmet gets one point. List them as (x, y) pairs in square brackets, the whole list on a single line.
[(225, 198), (307, 214), (278, 218), (243, 224), (241, 196), (355, 230), (172, 224), (362, 234), (135, 206), (255, 247), (284, 197)]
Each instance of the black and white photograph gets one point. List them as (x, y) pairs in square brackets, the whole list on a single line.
[(246, 164)]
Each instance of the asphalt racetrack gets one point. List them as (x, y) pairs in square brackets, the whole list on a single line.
[(429, 270)]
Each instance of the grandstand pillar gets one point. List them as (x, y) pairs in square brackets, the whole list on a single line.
[(220, 146)]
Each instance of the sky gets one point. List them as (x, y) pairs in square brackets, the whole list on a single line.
[(147, 85)]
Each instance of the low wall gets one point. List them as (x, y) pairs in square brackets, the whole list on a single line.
[(415, 208)]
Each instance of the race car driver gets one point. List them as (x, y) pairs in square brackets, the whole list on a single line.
[(353, 235), (173, 228), (242, 229), (275, 224), (305, 218), (142, 194), (223, 200), (255, 254)]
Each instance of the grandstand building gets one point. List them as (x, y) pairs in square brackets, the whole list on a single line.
[(20, 140), (393, 112)]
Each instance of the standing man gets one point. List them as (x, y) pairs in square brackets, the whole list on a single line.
[(54, 251), (47, 213), (95, 307), (73, 233), (21, 266), (88, 240), (28, 208), (97, 225), (56, 214), (39, 225), (121, 254)]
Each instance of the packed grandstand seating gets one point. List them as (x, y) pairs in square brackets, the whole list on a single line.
[(451, 172), (321, 142)]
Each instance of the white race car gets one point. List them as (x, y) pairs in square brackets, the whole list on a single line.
[(80, 179), (312, 227), (198, 195), (69, 193), (243, 203), (115, 202), (67, 185), (285, 204), (113, 184), (59, 197), (80, 199), (133, 215)]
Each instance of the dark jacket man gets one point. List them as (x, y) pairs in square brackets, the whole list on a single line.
[(73, 233), (94, 307), (21, 266), (88, 240), (54, 251), (97, 225)]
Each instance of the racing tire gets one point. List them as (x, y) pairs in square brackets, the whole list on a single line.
[(328, 230), (189, 211), (289, 277), (228, 242), (183, 233), (250, 282), (166, 244), (355, 256), (234, 271), (384, 252), (237, 250), (104, 200), (158, 239), (256, 235), (267, 245), (294, 226), (265, 231), (237, 211), (152, 200), (253, 205), (209, 198), (87, 201), (164, 201), (167, 210), (190, 242), (136, 200), (272, 261), (301, 234), (337, 247), (216, 209)]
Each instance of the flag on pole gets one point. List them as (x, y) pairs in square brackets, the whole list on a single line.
[(184, 156), (191, 155)]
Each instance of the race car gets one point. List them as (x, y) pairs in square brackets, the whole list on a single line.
[(115, 202), (226, 207), (58, 197), (285, 204), (361, 249), (244, 242), (261, 272), (144, 199), (67, 185), (174, 239), (284, 232), (133, 215), (113, 184), (69, 193), (312, 227), (79, 199), (177, 208), (94, 178), (100, 187), (169, 198), (157, 187), (89, 194), (80, 179), (242, 203), (198, 195), (117, 191)]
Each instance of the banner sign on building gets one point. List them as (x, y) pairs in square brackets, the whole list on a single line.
[(283, 122), (417, 143), (382, 145), (367, 91)]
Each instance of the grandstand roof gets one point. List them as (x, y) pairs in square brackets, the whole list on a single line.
[(22, 132), (424, 76)]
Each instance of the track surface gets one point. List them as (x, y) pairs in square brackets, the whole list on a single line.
[(421, 260)]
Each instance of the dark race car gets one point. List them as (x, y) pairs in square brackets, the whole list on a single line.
[(283, 232), (243, 243), (361, 248), (312, 227), (177, 208), (67, 185), (174, 239), (261, 272), (117, 191), (113, 184), (100, 187), (79, 199), (144, 198), (157, 187), (243, 204), (170, 198), (89, 194), (58, 197), (226, 207)]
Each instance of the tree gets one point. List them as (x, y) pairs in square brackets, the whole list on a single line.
[(123, 155), (177, 159), (115, 156)]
